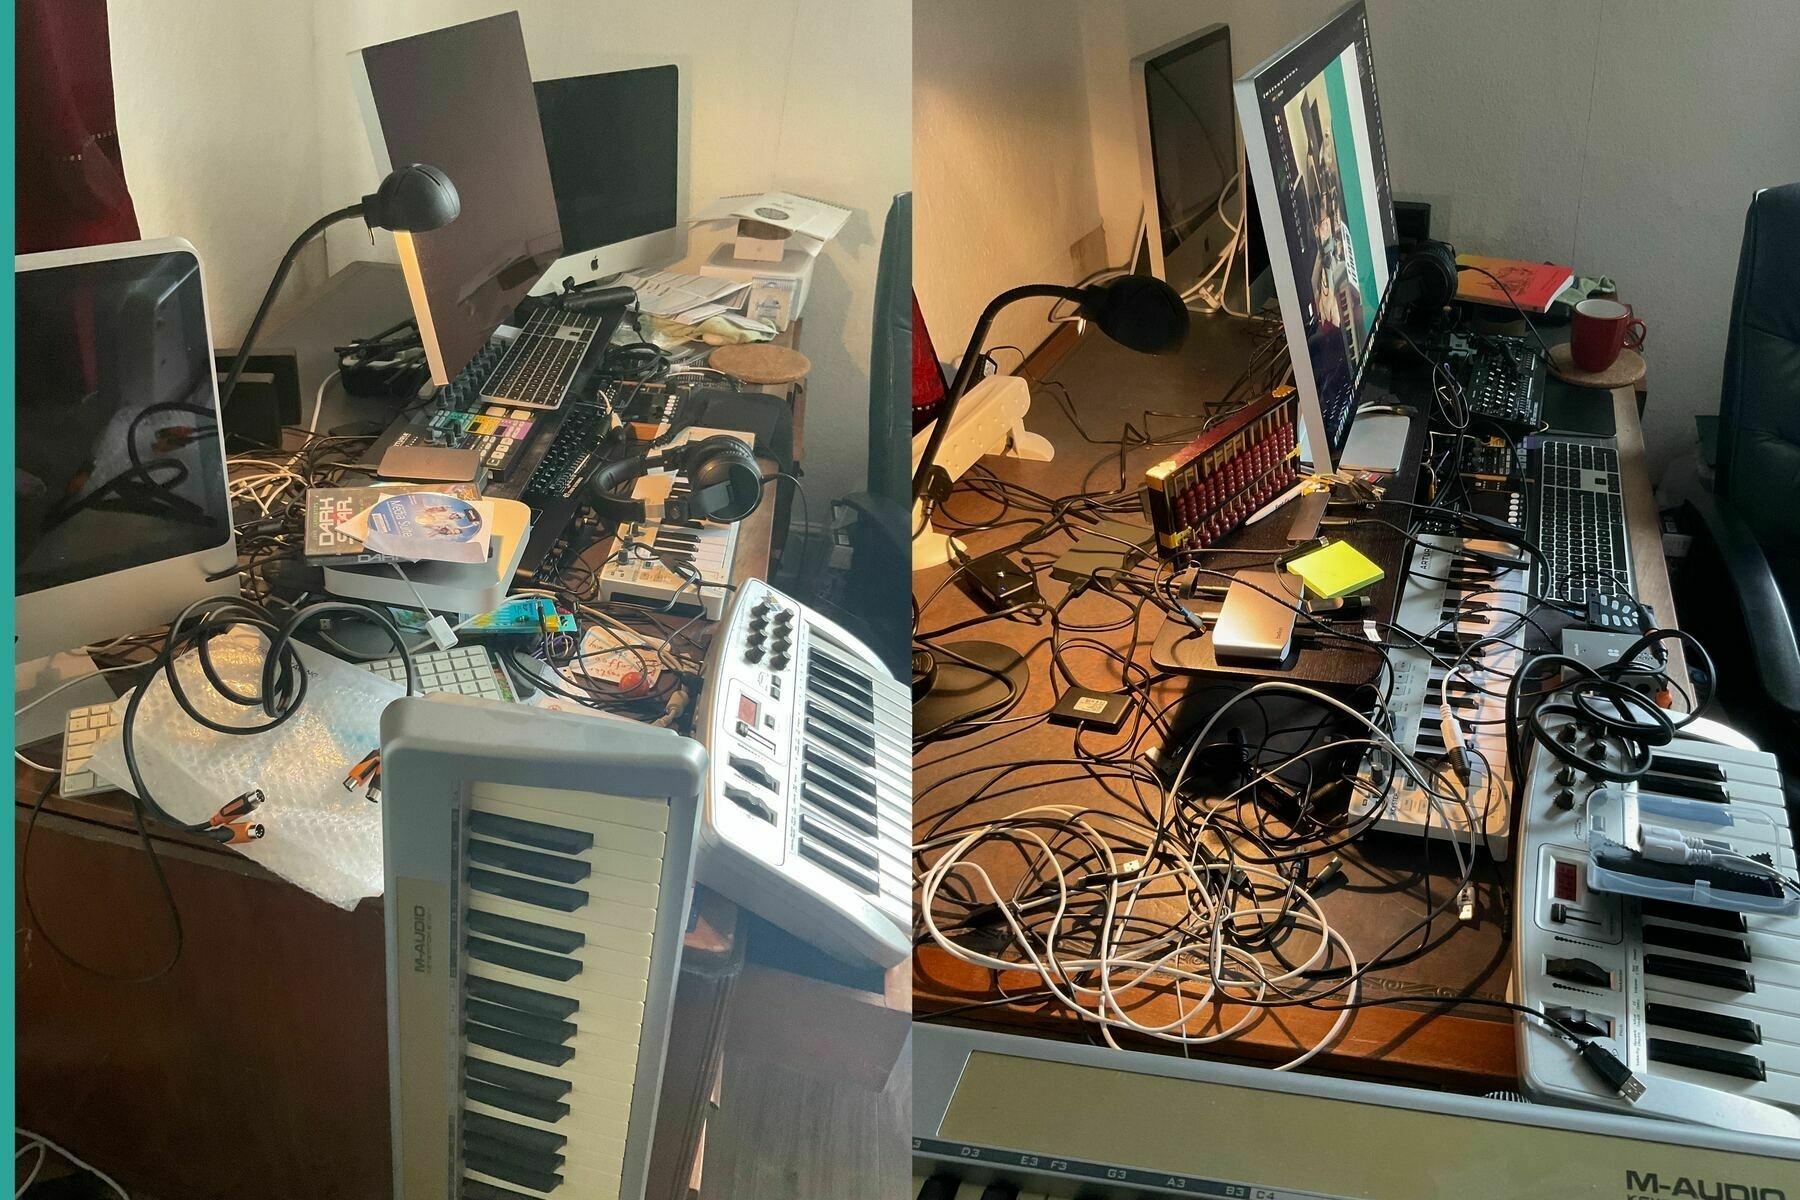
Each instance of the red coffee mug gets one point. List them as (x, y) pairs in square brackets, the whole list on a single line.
[(1600, 329)]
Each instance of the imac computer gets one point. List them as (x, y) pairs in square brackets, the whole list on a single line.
[(461, 99), (1313, 141), (618, 166), (1190, 162), (122, 516)]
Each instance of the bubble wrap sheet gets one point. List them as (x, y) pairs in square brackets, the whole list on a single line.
[(317, 834)]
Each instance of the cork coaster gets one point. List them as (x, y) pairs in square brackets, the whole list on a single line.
[(1626, 370), (761, 363)]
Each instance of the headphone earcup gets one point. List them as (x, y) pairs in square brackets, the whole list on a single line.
[(724, 478)]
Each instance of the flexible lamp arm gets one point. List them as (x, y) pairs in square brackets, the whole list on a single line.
[(966, 374), (287, 262)]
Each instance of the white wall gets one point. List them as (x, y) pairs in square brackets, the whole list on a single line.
[(804, 95), (1621, 138), (239, 127), (1005, 176), (219, 138)]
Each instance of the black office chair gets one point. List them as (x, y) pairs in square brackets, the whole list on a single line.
[(1751, 521), (877, 603)]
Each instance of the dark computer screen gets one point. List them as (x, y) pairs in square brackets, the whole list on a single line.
[(612, 142), (461, 99), (1321, 123), (1193, 134), (117, 461)]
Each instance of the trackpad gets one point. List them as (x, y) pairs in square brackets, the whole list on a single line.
[(1578, 410)]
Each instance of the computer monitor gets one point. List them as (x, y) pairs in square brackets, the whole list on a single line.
[(461, 99), (1190, 164), (1313, 141), (122, 516), (618, 167)]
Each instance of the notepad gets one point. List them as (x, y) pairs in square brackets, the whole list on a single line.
[(1336, 569)]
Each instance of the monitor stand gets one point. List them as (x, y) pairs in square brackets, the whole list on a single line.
[(35, 681)]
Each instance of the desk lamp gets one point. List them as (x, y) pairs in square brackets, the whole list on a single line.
[(1140, 312), (412, 199)]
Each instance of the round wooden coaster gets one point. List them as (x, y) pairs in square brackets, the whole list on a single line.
[(760, 363), (1626, 370)]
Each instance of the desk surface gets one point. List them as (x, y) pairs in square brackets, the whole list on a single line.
[(1383, 889)]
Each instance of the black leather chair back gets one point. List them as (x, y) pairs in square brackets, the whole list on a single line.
[(890, 360), (1759, 407)]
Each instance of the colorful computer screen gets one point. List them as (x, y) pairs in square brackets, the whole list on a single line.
[(1314, 145)]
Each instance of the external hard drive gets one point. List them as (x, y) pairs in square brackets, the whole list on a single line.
[(1257, 618)]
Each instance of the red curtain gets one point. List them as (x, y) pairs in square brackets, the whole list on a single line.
[(70, 179)]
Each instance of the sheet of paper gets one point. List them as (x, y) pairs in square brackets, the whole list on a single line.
[(669, 293), (794, 213)]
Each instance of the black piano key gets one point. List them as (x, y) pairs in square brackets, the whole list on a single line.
[(527, 933), (818, 730), (857, 734), (527, 1048), (1713, 945), (527, 891), (518, 958), (864, 881), (855, 790), (1731, 979), (1693, 914), (861, 706), (528, 862), (475, 1189), (544, 1029), (855, 818), (856, 852), (1705, 1058), (1000, 1191), (530, 833), (547, 1111), (475, 1143), (544, 1004), (1708, 1024), (1681, 785), (545, 1087), (509, 1131), (1691, 768), (512, 1172), (939, 1187)]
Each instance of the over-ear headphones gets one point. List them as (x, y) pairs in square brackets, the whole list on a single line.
[(1424, 283), (724, 482)]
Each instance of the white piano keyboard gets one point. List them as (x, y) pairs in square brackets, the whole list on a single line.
[(1449, 601), (1702, 1005), (808, 810), (683, 563), (534, 934)]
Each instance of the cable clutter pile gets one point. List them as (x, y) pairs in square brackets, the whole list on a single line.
[(1169, 877)]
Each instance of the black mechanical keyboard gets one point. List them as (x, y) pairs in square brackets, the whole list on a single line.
[(1577, 518)]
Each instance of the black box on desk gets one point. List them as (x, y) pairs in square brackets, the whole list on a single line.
[(267, 397)]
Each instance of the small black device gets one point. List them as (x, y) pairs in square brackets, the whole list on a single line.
[(268, 397), (1504, 380), (724, 480), (1083, 706), (997, 582)]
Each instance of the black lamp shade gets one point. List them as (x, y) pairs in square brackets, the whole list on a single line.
[(412, 199), (1140, 312)]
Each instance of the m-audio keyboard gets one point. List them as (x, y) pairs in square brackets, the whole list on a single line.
[(808, 813)]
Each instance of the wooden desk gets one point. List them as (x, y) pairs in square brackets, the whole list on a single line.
[(1382, 891), (258, 1066)]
